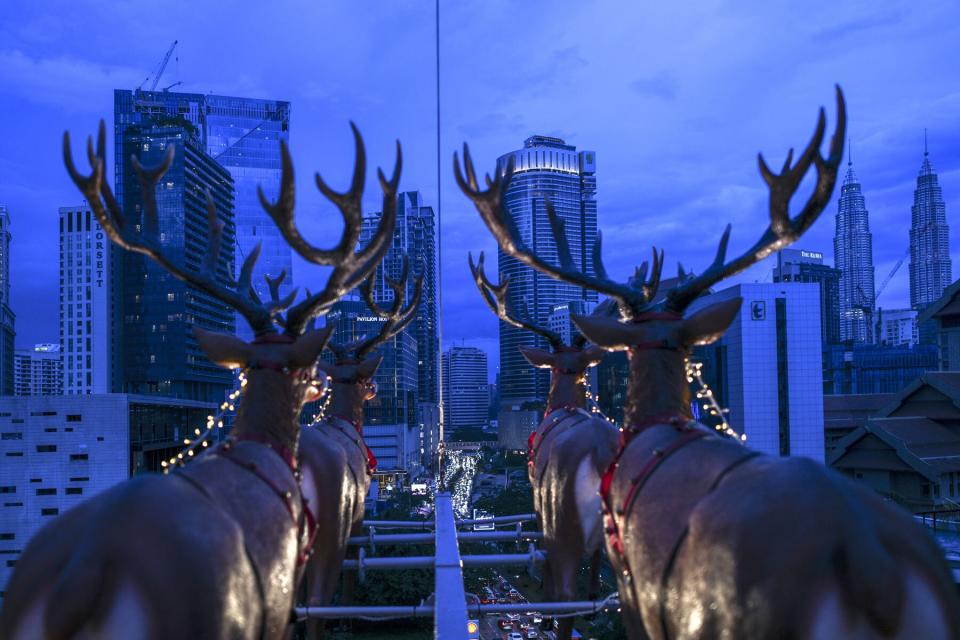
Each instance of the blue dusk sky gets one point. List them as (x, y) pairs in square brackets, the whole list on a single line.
[(675, 98)]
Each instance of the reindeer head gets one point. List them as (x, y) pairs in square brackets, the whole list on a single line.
[(353, 368), (281, 365), (644, 322), (564, 361), (563, 358)]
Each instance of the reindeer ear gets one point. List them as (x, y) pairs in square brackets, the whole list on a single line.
[(368, 367), (538, 357), (306, 350), (593, 355), (609, 333), (225, 350), (707, 325)]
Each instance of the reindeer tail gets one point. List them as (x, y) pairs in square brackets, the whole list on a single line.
[(77, 594)]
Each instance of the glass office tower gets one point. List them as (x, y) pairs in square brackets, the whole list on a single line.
[(546, 168), (243, 135), (160, 354), (415, 238)]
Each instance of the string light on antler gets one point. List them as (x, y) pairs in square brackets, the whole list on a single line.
[(709, 400)]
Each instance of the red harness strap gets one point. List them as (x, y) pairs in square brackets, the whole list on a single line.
[(532, 445), (687, 435), (308, 520), (371, 459)]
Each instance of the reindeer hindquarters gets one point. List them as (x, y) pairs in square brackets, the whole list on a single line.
[(331, 492), (123, 552)]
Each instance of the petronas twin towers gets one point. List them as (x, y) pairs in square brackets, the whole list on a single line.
[(930, 264), (853, 256), (931, 270)]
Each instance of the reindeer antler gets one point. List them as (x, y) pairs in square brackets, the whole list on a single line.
[(633, 295), (496, 298), (397, 316), (350, 267), (783, 229), (147, 242)]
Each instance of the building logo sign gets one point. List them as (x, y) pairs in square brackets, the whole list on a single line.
[(758, 310), (100, 250)]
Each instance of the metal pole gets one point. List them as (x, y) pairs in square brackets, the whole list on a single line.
[(424, 562), (428, 524), (440, 417), (466, 536), (450, 618), (424, 611)]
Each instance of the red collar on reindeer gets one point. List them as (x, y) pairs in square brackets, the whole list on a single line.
[(662, 316), (562, 370), (273, 365)]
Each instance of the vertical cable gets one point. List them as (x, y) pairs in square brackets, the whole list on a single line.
[(439, 258)]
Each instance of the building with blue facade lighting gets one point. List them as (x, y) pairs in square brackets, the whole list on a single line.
[(243, 135), (159, 352), (545, 169)]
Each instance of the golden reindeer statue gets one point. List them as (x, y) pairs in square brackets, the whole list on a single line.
[(710, 539), (215, 549), (566, 455), (336, 442)]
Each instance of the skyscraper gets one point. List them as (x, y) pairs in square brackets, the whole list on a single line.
[(931, 270), (466, 395), (160, 354), (853, 256), (767, 367), (545, 169), (800, 265), (243, 135), (88, 301), (390, 418), (7, 317), (415, 238), (38, 371)]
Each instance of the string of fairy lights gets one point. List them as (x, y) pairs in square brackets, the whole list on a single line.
[(704, 396), (321, 413), (202, 437), (708, 400)]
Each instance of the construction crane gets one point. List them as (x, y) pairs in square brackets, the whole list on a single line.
[(893, 272), (160, 69)]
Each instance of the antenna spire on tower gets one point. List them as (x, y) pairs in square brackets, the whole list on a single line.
[(925, 152)]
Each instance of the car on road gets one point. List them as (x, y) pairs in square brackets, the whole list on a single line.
[(514, 636), (503, 623), (532, 634), (513, 617), (535, 617)]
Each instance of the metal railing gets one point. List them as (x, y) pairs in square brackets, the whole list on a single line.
[(450, 598), (449, 605)]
